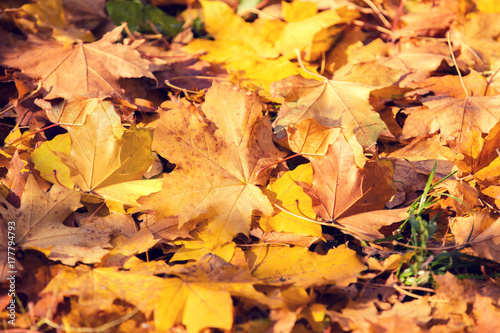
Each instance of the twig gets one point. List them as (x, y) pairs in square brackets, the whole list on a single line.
[(377, 12), (455, 62)]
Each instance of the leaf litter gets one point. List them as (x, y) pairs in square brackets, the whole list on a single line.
[(273, 167)]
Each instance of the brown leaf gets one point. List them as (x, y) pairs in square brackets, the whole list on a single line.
[(89, 70), (15, 179), (167, 228), (487, 243), (343, 189), (39, 225), (308, 137), (452, 116), (367, 225)]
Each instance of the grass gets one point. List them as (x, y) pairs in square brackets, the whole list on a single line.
[(426, 260)]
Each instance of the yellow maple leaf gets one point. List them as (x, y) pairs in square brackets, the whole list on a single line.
[(291, 196), (261, 50), (218, 159), (103, 157), (278, 265)]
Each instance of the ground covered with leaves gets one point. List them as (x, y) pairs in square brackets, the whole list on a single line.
[(252, 166)]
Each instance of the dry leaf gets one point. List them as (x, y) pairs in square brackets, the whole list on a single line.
[(279, 265), (452, 116), (218, 159), (340, 188), (330, 103), (39, 225), (286, 192), (104, 157), (89, 70)]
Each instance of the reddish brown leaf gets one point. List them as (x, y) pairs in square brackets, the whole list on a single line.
[(90, 70)]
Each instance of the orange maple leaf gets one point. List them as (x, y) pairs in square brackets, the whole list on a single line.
[(39, 225), (90, 70), (218, 151)]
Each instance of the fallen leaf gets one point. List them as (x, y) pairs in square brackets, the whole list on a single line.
[(275, 237), (308, 137), (451, 116), (261, 49), (166, 228), (197, 305), (367, 225), (15, 179), (340, 188), (280, 265), (125, 248), (104, 157), (51, 14), (288, 194), (486, 313), (330, 103), (477, 37), (89, 70), (457, 294), (467, 195), (450, 85), (39, 225), (487, 243), (217, 160), (98, 288)]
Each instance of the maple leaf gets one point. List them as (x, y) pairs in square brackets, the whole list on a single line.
[(15, 179), (89, 70), (376, 64), (98, 288), (291, 197), (261, 49), (196, 298), (283, 265), (203, 243), (217, 160), (451, 116), (414, 162), (330, 103), (308, 137), (39, 225), (125, 248), (50, 13), (197, 305), (367, 225), (481, 232), (480, 155), (103, 157), (477, 37), (474, 82), (341, 188)]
